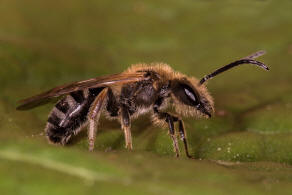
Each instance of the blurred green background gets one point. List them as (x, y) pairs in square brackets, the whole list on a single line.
[(245, 148)]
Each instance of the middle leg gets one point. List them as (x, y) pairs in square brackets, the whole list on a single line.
[(126, 126)]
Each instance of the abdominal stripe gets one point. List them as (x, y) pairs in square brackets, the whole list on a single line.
[(54, 119), (63, 105), (74, 107), (78, 96)]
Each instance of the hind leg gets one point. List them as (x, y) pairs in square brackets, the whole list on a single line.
[(94, 115)]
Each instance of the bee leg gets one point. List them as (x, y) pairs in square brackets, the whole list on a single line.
[(170, 120), (183, 137), (126, 126), (93, 117)]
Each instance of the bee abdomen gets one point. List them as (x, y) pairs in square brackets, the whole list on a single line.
[(70, 115)]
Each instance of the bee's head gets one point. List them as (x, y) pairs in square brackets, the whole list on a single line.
[(190, 98), (191, 95)]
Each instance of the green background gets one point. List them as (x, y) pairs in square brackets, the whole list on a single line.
[(245, 148)]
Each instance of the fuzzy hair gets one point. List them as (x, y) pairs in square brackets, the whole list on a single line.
[(167, 73)]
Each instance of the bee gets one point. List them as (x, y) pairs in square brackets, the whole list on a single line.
[(139, 90)]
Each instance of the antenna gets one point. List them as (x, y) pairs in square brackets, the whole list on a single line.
[(246, 60)]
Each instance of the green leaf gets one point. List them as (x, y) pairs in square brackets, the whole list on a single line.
[(244, 149)]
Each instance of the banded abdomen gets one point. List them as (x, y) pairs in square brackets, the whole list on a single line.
[(69, 115)]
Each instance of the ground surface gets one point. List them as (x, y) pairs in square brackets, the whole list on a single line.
[(244, 149)]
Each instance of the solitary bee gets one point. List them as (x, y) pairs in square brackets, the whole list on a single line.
[(138, 90)]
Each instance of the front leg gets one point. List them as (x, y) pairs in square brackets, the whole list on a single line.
[(170, 119), (182, 133)]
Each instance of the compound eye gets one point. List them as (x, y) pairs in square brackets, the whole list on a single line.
[(190, 95), (185, 93)]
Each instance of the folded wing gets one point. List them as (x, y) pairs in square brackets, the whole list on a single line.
[(104, 81)]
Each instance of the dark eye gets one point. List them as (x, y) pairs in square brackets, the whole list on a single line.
[(190, 95), (185, 94)]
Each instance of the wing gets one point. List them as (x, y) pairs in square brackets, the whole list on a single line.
[(104, 81)]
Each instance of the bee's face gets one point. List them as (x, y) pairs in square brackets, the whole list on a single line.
[(187, 94)]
